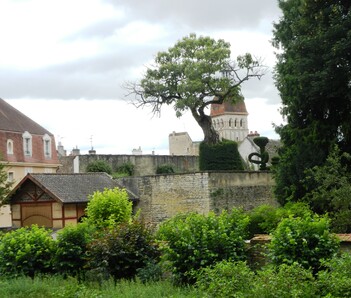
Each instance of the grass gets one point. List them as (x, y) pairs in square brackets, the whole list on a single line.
[(56, 286)]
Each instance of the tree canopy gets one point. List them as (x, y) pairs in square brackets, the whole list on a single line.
[(313, 76), (191, 75)]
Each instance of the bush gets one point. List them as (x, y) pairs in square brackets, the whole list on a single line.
[(121, 251), (193, 241), (165, 169), (27, 251), (222, 156), (125, 170), (335, 281), (225, 279), (264, 219), (99, 166), (108, 208), (284, 281), (72, 241), (306, 241)]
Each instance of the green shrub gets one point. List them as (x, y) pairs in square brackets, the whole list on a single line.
[(222, 156), (284, 281), (165, 169), (121, 251), (27, 251), (99, 166), (151, 272), (306, 241), (126, 168), (108, 208), (72, 241), (225, 279), (264, 219), (335, 280), (193, 241)]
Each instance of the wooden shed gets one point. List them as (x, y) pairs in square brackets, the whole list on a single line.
[(55, 200)]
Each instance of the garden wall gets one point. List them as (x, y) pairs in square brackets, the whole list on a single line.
[(143, 164), (163, 196)]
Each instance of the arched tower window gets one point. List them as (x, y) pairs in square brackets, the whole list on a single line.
[(241, 122), (47, 145), (230, 122), (27, 143), (235, 123), (222, 123), (9, 146)]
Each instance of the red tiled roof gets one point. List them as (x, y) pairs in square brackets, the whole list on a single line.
[(228, 107)]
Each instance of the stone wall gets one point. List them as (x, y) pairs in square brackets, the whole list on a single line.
[(143, 164), (163, 196)]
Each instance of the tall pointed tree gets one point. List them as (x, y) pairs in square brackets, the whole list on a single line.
[(313, 75), (191, 75)]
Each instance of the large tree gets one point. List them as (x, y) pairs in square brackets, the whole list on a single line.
[(313, 75), (191, 75)]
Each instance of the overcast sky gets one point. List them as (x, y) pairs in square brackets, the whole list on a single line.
[(63, 63)]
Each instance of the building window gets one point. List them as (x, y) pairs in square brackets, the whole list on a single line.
[(47, 145), (10, 176), (241, 122), (235, 123), (9, 147), (27, 143), (230, 122)]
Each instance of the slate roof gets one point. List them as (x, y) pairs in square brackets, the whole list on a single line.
[(13, 120), (72, 188)]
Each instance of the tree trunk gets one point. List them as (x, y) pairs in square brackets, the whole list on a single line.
[(210, 134)]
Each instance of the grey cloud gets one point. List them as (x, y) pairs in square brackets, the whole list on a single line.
[(99, 77), (263, 88), (100, 29), (200, 14)]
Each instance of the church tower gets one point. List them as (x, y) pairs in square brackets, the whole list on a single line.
[(230, 120)]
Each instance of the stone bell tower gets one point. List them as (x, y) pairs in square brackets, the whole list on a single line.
[(230, 120)]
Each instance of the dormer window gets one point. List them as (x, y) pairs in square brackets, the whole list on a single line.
[(27, 143), (9, 147), (47, 145)]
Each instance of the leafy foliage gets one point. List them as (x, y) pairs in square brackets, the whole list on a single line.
[(187, 77), (122, 250), (313, 77), (284, 281), (108, 208), (306, 241), (5, 185), (124, 170), (332, 189), (264, 219), (336, 279), (221, 156), (72, 241), (26, 251), (193, 241), (99, 166), (225, 279), (165, 169)]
